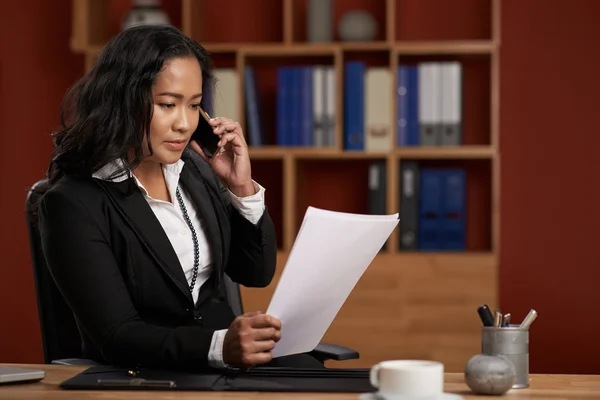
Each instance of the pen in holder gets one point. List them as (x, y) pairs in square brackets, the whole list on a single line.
[(513, 342)]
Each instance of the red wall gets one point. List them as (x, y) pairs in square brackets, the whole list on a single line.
[(550, 191), (549, 198), (36, 69)]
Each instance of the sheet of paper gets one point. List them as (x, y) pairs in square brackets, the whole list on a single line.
[(330, 254)]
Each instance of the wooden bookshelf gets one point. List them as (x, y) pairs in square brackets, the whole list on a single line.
[(408, 304)]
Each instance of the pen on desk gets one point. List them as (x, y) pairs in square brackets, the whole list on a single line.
[(485, 315), (498, 319), (506, 320), (529, 319), (136, 382)]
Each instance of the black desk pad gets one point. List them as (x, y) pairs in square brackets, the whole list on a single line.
[(264, 379)]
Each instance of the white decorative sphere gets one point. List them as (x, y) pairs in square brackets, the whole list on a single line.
[(490, 375), (357, 26)]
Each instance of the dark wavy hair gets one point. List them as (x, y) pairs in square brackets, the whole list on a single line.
[(106, 114)]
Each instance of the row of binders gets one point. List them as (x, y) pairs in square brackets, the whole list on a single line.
[(305, 106), (428, 100), (432, 208), (432, 205)]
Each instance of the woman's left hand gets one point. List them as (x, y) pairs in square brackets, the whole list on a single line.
[(232, 162)]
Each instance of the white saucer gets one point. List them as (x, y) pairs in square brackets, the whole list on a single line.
[(379, 396)]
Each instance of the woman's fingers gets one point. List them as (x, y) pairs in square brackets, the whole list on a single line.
[(263, 345), (266, 334), (215, 122), (228, 127), (232, 138)]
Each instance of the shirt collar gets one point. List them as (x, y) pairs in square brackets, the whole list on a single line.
[(171, 173)]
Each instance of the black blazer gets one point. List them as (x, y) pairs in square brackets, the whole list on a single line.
[(118, 272)]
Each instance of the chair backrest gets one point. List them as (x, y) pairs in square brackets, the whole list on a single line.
[(60, 335)]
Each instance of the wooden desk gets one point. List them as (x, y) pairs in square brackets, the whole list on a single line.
[(553, 387)]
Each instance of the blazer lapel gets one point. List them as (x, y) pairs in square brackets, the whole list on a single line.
[(139, 216), (199, 192)]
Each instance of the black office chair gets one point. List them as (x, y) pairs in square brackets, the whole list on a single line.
[(60, 336)]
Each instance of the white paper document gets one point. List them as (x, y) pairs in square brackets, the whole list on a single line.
[(330, 254)]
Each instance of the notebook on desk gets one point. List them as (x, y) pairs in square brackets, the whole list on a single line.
[(265, 379), (15, 374)]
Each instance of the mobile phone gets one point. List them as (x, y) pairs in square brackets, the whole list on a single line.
[(204, 135)]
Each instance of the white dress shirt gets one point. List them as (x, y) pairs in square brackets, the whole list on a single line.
[(170, 216)]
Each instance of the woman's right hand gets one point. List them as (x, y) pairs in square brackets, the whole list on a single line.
[(250, 339)]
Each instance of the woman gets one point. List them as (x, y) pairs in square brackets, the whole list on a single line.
[(140, 226)]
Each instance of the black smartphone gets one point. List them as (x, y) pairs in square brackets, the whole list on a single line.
[(205, 136)]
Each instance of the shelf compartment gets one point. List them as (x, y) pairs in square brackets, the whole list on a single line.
[(478, 200), (97, 21), (234, 21), (266, 80), (476, 87), (443, 20), (376, 8), (119, 8), (335, 185)]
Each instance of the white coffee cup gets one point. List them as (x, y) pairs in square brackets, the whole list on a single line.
[(404, 379)]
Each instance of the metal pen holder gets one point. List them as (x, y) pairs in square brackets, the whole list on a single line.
[(513, 342)]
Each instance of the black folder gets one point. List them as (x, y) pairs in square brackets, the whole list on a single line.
[(263, 379)]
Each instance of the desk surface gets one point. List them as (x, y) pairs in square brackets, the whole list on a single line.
[(554, 387)]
